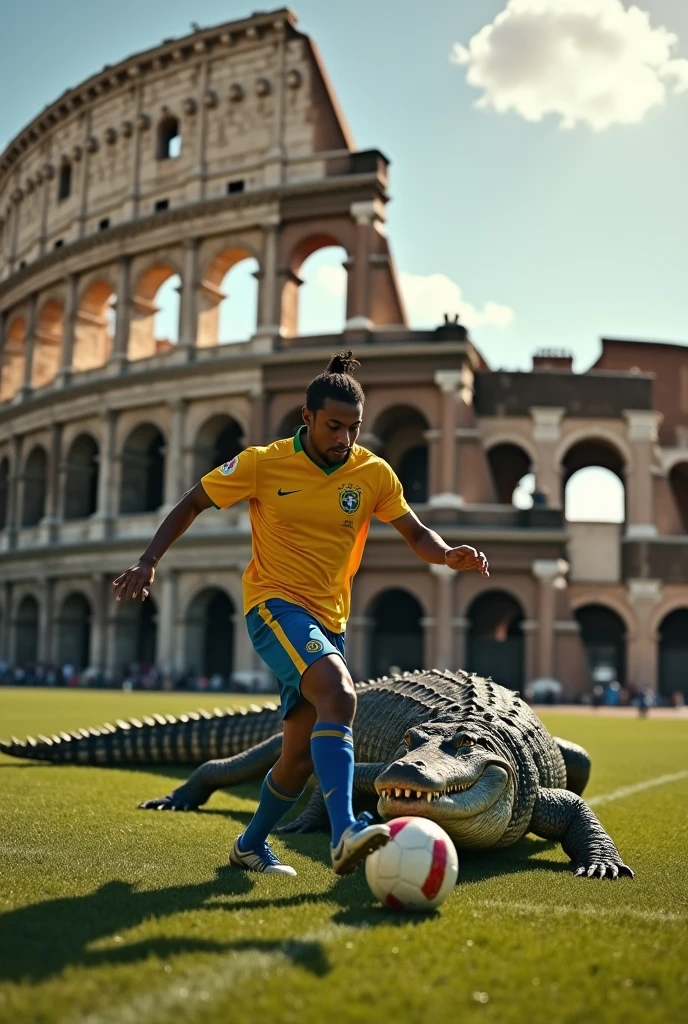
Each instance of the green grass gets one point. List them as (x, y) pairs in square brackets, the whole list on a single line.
[(115, 916)]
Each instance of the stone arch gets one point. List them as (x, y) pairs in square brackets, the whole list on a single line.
[(423, 402), (74, 631), (610, 602), (210, 627), (495, 645), (81, 478), (35, 486), (396, 635), (594, 451), (678, 481), (215, 294), (13, 358), (47, 349), (219, 439), (143, 342), (401, 430), (136, 635), (94, 325), (26, 626), (290, 422), (301, 249), (4, 491), (322, 292), (673, 652), (510, 462), (143, 470), (604, 637)]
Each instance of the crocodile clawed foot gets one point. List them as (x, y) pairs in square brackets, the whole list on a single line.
[(604, 869), (298, 825), (166, 803)]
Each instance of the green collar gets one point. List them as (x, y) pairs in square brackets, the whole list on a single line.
[(298, 447)]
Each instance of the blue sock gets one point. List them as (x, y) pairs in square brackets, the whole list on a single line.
[(332, 750), (274, 804)]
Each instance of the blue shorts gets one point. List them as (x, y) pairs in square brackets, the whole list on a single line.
[(289, 639)]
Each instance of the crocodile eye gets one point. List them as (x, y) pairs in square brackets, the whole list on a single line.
[(407, 739), (463, 741)]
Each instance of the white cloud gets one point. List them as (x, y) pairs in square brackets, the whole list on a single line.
[(428, 297), (591, 61)]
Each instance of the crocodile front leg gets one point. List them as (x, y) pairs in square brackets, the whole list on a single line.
[(244, 767), (560, 814)]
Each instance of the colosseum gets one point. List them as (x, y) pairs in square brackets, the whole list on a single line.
[(183, 162)]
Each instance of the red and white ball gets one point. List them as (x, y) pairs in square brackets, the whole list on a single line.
[(418, 867)]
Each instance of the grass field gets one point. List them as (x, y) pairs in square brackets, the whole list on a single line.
[(111, 915)]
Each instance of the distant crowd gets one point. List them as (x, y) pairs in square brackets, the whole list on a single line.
[(137, 676)]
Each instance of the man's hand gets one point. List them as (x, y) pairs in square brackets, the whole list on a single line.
[(464, 558), (135, 582)]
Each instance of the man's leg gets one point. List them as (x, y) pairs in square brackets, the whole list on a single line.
[(281, 789), (328, 686)]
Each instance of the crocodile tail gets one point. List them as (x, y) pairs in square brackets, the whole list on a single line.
[(187, 739)]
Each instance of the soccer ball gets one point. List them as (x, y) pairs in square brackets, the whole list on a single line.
[(418, 867)]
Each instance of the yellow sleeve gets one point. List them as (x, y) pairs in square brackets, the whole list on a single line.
[(390, 503), (232, 482)]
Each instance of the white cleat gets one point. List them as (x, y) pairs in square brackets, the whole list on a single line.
[(358, 840), (261, 859)]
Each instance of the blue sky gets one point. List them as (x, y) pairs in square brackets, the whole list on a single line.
[(571, 234)]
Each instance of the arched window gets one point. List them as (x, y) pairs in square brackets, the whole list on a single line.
[(143, 470), (136, 634), (678, 478), (413, 474), (603, 634), (396, 633), (322, 295), (495, 639), (12, 359), (219, 440), (74, 635), (673, 653), (510, 466), (290, 423), (4, 491), (81, 483), (64, 184), (169, 139), (593, 482), (94, 329), (210, 634), (35, 482), (47, 350), (154, 321), (401, 430)]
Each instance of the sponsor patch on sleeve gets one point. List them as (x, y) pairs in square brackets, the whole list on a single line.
[(228, 468)]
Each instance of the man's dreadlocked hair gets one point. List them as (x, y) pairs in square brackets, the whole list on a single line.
[(336, 382)]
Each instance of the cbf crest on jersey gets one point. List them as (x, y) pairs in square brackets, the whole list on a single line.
[(350, 499), (228, 467)]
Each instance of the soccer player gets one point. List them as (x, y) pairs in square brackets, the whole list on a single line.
[(311, 498)]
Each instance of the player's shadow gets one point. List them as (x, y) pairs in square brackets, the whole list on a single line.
[(42, 939)]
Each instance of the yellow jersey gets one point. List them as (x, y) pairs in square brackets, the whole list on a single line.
[(309, 524)]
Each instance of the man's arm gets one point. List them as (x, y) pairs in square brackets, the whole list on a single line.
[(136, 581), (430, 547)]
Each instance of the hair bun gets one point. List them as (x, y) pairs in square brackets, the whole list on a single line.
[(343, 362)]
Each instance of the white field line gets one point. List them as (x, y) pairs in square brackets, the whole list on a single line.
[(204, 986), (637, 787)]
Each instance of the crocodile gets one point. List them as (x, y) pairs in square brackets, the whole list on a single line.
[(449, 746)]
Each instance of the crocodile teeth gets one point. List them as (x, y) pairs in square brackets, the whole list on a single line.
[(429, 797), (407, 792), (397, 792), (418, 794)]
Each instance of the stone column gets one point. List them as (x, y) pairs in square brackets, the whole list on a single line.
[(641, 662), (29, 346), (121, 341), (428, 624), (268, 326), (530, 630), (188, 306), (107, 500), (276, 156), (16, 198), (448, 381), (358, 306), (68, 330), (258, 426), (444, 609), (7, 615), (85, 166), (549, 572), (167, 582), (98, 651), (46, 620), (16, 454), (460, 626), (546, 432), (52, 509), (136, 134), (641, 426), (201, 140), (357, 645), (174, 458), (112, 663)]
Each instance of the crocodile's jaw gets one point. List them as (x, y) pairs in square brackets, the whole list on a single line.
[(477, 815)]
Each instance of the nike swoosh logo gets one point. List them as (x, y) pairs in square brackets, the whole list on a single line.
[(330, 793), (283, 493)]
